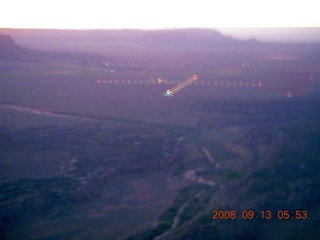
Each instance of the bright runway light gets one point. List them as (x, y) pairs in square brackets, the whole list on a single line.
[(192, 81), (181, 85)]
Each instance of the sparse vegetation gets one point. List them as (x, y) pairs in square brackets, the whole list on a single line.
[(119, 161)]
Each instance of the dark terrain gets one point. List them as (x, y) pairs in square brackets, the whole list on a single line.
[(91, 149)]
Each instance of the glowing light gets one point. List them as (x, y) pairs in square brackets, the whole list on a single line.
[(289, 94), (195, 77), (260, 84), (168, 93)]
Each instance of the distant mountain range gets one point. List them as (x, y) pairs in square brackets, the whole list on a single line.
[(80, 39), (28, 44)]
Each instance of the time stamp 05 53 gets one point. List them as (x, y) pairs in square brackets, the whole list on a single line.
[(265, 214)]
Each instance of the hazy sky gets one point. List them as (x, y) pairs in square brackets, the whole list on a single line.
[(148, 14)]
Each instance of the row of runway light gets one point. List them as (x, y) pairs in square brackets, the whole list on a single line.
[(216, 83)]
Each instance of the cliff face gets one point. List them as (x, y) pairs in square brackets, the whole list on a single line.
[(6, 41), (9, 49)]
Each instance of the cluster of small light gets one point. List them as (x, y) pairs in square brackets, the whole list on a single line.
[(213, 83), (311, 77), (245, 64)]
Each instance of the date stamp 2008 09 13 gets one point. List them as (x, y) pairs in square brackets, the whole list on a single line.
[(264, 214)]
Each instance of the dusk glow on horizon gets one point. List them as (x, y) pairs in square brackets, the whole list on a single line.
[(166, 14)]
